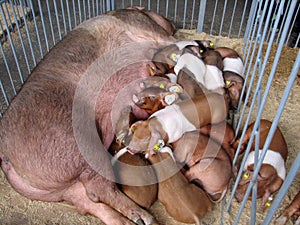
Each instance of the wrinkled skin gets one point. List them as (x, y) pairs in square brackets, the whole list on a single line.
[(47, 152), (268, 181), (292, 211)]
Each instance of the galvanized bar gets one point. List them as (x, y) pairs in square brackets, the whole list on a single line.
[(213, 17), (57, 20), (74, 13), (223, 15), (184, 14), (12, 45), (284, 188), (175, 11), (36, 29), (167, 9), (63, 16), (193, 12), (232, 18), (69, 15), (21, 40), (201, 16), (157, 6), (293, 24), (50, 21), (9, 75), (79, 11), (43, 25), (242, 21)]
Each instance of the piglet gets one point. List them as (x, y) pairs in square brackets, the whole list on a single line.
[(293, 210), (272, 172), (232, 72), (184, 201), (207, 164), (140, 185), (169, 124)]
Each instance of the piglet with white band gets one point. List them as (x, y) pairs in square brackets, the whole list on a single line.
[(272, 172)]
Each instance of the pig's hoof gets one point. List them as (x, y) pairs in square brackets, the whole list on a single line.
[(140, 222)]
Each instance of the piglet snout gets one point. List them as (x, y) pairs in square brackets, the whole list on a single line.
[(135, 98)]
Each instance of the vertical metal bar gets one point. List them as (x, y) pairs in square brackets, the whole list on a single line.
[(12, 45), (175, 11), (284, 188), (292, 25), (201, 15), (232, 17), (50, 22), (157, 6), (184, 14), (243, 17), (9, 75), (84, 9), (57, 20), (213, 17), (43, 25), (79, 11), (223, 15), (149, 5), (74, 13), (36, 29), (108, 6), (69, 15), (167, 9), (193, 12), (21, 39), (251, 20), (63, 16)]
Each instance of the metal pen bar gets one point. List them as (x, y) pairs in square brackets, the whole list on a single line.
[(50, 22), (232, 18), (57, 20), (21, 39), (12, 45), (43, 25), (201, 15), (223, 15), (36, 29)]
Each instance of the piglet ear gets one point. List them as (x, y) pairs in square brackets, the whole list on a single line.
[(134, 126)]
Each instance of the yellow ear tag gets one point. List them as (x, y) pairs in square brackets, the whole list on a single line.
[(211, 44), (175, 89), (133, 129), (162, 86), (174, 56), (201, 51), (268, 204), (246, 176), (228, 82), (152, 68), (156, 147)]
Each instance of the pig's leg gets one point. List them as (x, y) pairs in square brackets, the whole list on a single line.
[(76, 195), (99, 189)]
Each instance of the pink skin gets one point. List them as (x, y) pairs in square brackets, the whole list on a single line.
[(40, 155), (268, 180)]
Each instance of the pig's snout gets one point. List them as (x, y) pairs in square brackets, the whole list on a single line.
[(238, 196), (135, 98)]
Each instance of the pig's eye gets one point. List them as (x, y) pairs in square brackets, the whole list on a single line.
[(246, 176), (152, 97)]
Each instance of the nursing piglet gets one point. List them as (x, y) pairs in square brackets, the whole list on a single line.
[(169, 124), (207, 164), (272, 172), (232, 72), (183, 201)]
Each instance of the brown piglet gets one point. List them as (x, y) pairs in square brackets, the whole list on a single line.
[(272, 172)]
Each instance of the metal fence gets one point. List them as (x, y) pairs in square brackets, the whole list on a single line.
[(30, 28)]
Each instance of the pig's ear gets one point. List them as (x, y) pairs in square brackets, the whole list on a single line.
[(169, 98), (134, 126), (151, 69)]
